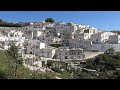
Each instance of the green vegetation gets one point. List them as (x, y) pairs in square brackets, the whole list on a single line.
[(49, 20), (56, 69), (106, 66), (13, 63), (22, 72), (3, 65), (103, 66), (12, 68), (7, 24), (56, 45)]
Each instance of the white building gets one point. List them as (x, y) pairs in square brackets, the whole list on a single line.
[(32, 62), (84, 44), (48, 40), (104, 47), (63, 26), (28, 34), (47, 52), (114, 39), (85, 33), (34, 44), (101, 37), (57, 40), (37, 33), (83, 36), (6, 40), (15, 33), (38, 48), (65, 53)]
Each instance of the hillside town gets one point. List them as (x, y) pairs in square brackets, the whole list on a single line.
[(39, 42)]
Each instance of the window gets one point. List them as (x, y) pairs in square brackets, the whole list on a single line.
[(96, 40), (73, 52), (37, 47), (42, 51), (66, 57), (78, 52)]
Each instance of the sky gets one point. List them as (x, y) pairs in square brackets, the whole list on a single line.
[(105, 20)]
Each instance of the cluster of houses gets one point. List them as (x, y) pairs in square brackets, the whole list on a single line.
[(36, 39)]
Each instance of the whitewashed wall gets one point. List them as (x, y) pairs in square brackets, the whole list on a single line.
[(104, 47)]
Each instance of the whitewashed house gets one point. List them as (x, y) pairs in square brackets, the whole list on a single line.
[(114, 39), (57, 40), (38, 48), (85, 33), (101, 37), (84, 44), (34, 45), (12, 36), (47, 52), (66, 36), (63, 26), (15, 33), (65, 53), (37, 33), (48, 40), (32, 62), (104, 47), (28, 34)]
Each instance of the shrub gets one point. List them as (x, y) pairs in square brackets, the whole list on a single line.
[(56, 69)]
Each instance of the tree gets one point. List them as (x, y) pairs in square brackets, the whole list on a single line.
[(3, 75), (49, 20), (49, 63), (12, 53), (56, 45), (110, 51)]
